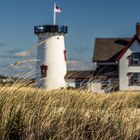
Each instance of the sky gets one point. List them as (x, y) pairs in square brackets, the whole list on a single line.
[(86, 20)]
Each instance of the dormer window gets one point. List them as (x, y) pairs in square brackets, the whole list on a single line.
[(134, 59)]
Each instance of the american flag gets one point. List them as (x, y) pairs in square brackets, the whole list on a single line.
[(57, 9)]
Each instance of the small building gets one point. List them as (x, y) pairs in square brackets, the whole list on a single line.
[(118, 63), (78, 79)]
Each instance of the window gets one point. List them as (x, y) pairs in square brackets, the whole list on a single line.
[(134, 79), (81, 83), (134, 59), (44, 69), (65, 55), (104, 84)]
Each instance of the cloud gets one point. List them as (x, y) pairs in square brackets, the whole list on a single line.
[(22, 54), (80, 65), (24, 70), (17, 53), (24, 67)]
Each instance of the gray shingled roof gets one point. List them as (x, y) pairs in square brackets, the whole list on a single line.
[(107, 49), (79, 74)]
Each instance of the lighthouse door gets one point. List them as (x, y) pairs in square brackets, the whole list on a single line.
[(44, 69)]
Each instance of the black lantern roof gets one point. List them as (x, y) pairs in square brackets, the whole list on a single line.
[(50, 29)]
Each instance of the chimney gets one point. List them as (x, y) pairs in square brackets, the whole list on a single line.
[(138, 30)]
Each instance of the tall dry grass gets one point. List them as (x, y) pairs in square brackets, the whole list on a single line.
[(28, 113)]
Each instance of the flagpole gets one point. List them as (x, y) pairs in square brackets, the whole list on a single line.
[(54, 15)]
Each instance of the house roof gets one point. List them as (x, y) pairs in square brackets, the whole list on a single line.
[(108, 49), (79, 74), (128, 46)]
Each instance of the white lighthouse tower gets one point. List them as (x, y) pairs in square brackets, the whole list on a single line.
[(51, 56)]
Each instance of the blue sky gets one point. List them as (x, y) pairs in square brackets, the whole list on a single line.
[(86, 19)]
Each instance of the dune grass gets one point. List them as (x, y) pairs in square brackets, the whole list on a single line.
[(28, 113)]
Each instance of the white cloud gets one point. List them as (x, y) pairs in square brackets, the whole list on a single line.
[(24, 70), (80, 65), (22, 54)]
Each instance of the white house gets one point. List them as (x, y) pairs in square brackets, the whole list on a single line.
[(118, 63)]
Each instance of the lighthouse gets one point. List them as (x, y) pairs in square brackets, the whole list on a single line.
[(51, 55)]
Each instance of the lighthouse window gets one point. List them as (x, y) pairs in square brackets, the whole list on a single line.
[(44, 69), (65, 55)]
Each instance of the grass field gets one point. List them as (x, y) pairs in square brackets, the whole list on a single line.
[(31, 114)]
